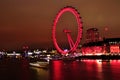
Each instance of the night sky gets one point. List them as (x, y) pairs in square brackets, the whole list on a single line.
[(29, 22)]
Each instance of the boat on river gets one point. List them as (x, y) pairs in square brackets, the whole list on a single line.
[(39, 64)]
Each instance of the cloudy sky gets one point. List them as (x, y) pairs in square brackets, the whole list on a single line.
[(29, 22)]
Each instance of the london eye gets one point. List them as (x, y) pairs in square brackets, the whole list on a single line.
[(73, 44)]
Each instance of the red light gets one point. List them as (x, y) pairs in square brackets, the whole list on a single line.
[(114, 49), (94, 50)]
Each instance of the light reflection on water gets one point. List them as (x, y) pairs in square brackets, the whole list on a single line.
[(81, 70), (61, 70), (85, 70), (39, 74)]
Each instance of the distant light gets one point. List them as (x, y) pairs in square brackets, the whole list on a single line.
[(30, 53), (65, 50), (106, 29), (37, 51), (48, 55), (44, 51)]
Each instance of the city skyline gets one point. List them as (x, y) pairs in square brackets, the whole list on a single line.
[(28, 22)]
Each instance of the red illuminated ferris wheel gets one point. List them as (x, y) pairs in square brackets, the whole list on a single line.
[(73, 45)]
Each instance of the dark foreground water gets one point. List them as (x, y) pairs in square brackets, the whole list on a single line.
[(60, 70)]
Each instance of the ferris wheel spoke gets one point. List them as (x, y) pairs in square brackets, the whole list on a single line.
[(71, 43)]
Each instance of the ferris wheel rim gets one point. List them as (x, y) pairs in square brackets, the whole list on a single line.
[(79, 24)]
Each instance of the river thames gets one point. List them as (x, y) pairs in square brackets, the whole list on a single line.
[(61, 70)]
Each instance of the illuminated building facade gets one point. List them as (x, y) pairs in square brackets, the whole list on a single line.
[(92, 35), (113, 45), (109, 46), (93, 48)]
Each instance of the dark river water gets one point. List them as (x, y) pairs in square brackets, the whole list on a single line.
[(61, 70)]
